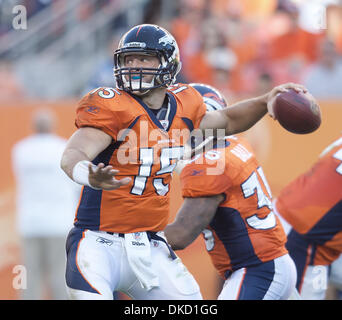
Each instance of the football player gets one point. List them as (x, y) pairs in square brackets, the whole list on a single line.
[(310, 208), (228, 200), (124, 151)]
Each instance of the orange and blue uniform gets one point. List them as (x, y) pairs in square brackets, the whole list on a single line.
[(143, 148), (312, 205), (244, 231)]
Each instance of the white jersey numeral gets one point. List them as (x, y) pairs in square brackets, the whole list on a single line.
[(268, 222), (209, 239), (336, 143), (180, 89), (146, 158), (253, 185), (106, 93), (338, 155)]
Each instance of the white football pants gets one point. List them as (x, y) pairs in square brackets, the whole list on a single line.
[(97, 266), (272, 280)]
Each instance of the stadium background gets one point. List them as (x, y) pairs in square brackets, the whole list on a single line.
[(242, 47)]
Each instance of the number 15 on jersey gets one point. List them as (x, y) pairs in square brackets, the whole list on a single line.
[(146, 157)]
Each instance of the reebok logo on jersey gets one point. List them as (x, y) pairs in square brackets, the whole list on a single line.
[(197, 172), (92, 109), (104, 241)]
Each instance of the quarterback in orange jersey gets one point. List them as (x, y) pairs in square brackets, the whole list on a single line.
[(124, 151), (311, 206), (228, 200)]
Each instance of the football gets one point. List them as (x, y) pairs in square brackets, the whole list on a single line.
[(297, 112)]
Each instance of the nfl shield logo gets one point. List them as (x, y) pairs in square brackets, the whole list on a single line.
[(155, 243), (164, 123), (137, 236)]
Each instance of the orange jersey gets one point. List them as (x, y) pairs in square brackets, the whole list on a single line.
[(244, 230), (144, 149), (312, 204)]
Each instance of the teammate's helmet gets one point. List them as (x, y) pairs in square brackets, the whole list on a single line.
[(213, 99), (150, 40)]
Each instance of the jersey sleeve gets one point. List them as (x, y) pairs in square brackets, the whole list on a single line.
[(195, 108), (92, 112), (197, 181)]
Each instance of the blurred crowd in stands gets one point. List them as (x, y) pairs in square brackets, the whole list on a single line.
[(241, 47), (246, 47)]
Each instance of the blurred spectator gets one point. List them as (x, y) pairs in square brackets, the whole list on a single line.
[(295, 41), (324, 79), (186, 27), (275, 45), (206, 53), (334, 23), (45, 207), (196, 66), (293, 48), (223, 75)]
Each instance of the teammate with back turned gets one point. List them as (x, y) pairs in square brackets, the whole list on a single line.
[(311, 210), (124, 151), (228, 200)]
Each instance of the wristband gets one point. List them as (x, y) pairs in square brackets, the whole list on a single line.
[(80, 173)]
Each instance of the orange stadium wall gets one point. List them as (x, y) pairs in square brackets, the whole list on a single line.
[(283, 156)]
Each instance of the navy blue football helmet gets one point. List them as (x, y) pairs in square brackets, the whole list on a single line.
[(147, 39), (213, 99)]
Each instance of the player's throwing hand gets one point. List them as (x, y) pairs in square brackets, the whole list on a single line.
[(272, 95), (102, 177)]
